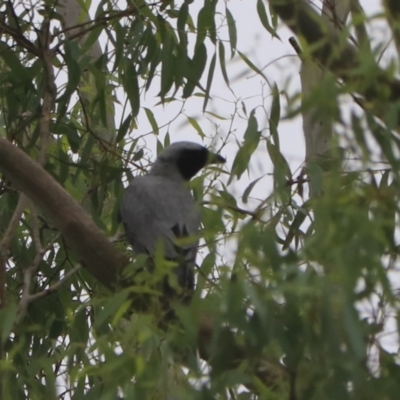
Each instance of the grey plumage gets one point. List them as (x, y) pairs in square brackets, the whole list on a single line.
[(160, 207)]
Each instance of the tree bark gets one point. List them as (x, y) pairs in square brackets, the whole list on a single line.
[(72, 13), (98, 255), (340, 57), (317, 130)]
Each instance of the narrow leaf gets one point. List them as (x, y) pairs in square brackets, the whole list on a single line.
[(196, 69), (123, 129), (262, 13), (153, 122), (232, 32), (196, 126), (275, 116), (216, 116), (294, 227), (278, 160), (131, 86), (248, 190), (221, 52), (251, 141), (252, 66), (168, 62), (209, 80)]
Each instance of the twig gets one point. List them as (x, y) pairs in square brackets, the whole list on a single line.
[(27, 298), (48, 96), (358, 17), (53, 288), (35, 228), (12, 226), (253, 214), (6, 241), (295, 45), (29, 272), (4, 246)]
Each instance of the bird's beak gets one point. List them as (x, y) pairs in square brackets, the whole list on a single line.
[(215, 158)]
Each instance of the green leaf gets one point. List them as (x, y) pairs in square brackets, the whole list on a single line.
[(206, 268), (63, 165), (221, 52), (74, 72), (111, 307), (196, 126), (92, 37), (153, 122), (216, 116), (251, 140), (205, 23), (67, 128), (385, 180), (181, 23), (131, 86), (101, 101), (262, 13), (181, 65), (252, 66), (123, 129), (80, 330), (294, 227), (209, 80), (120, 33), (252, 135), (154, 64), (278, 160), (167, 140), (8, 317), (199, 62), (248, 190), (354, 332), (168, 64), (138, 155), (232, 31), (275, 116), (195, 70), (227, 198), (8, 55)]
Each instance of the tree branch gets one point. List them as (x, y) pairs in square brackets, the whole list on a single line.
[(340, 57), (98, 255), (4, 247), (29, 298), (318, 128)]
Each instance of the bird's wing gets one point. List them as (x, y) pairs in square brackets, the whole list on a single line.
[(154, 209)]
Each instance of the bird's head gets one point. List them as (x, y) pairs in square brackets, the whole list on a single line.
[(185, 159)]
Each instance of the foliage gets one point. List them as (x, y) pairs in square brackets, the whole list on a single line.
[(295, 296)]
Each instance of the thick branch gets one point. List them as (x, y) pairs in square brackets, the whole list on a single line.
[(305, 22), (318, 128), (97, 253), (328, 48)]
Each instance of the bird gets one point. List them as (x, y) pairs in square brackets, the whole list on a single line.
[(159, 209)]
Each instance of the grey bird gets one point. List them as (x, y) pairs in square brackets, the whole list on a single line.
[(159, 208)]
